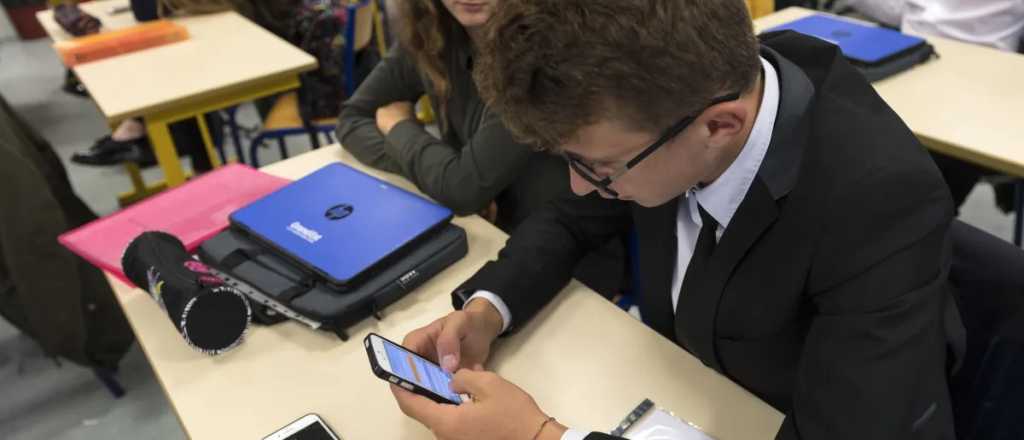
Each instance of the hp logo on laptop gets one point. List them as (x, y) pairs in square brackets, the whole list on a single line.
[(339, 212), (841, 33)]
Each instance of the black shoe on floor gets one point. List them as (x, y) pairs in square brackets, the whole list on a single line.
[(141, 153), (73, 86), (106, 151), (1006, 196)]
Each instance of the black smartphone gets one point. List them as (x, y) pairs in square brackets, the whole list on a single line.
[(394, 363)]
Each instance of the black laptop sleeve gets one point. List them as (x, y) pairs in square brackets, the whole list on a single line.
[(897, 63), (246, 260)]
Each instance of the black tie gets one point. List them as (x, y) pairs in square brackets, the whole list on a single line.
[(698, 263)]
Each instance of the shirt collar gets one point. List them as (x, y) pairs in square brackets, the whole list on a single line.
[(722, 197)]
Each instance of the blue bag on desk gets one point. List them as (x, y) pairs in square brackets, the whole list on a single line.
[(878, 52)]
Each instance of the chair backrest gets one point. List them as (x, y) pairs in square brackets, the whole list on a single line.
[(759, 8), (365, 13), (362, 15), (988, 390)]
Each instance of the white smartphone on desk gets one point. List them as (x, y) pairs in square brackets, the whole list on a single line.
[(309, 427)]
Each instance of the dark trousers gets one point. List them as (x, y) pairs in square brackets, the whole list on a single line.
[(961, 177), (988, 389), (188, 140)]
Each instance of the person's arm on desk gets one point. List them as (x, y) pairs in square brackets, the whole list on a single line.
[(461, 339), (536, 264), (504, 404), (499, 411), (378, 126), (533, 267), (392, 82)]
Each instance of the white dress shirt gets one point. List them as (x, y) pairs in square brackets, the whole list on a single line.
[(994, 23), (720, 199)]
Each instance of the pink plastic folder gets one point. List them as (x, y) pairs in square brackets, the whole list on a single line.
[(192, 212)]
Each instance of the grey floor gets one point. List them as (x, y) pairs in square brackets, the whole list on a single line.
[(41, 400)]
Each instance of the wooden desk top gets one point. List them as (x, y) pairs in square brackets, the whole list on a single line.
[(584, 360), (225, 51), (967, 103)]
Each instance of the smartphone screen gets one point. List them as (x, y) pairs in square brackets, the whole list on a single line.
[(315, 431), (413, 368)]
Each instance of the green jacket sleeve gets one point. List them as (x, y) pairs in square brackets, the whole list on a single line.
[(464, 179), (467, 179), (394, 79)]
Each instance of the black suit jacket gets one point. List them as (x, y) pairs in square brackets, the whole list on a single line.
[(827, 295)]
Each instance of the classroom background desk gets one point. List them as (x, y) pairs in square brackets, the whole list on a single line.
[(227, 60), (967, 103), (584, 360)]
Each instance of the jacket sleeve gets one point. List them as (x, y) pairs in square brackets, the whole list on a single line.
[(874, 360), (539, 258), (394, 79), (464, 179), (467, 179)]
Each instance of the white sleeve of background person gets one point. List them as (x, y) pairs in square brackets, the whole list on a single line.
[(994, 23), (887, 12), (506, 315)]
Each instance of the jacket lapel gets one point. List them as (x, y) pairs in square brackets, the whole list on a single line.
[(698, 303), (656, 245), (694, 325)]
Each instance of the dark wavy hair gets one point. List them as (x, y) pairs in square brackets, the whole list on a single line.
[(427, 31)]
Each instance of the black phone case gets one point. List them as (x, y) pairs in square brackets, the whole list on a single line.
[(391, 378)]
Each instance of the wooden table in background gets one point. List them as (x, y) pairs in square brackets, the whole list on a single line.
[(967, 103), (227, 60)]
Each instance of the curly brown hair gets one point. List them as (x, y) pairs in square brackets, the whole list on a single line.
[(427, 30), (552, 67)]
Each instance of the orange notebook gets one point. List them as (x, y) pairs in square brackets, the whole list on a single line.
[(108, 44), (192, 212)]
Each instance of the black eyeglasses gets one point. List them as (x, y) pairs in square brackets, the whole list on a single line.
[(603, 183)]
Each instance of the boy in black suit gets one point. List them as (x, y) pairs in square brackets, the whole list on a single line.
[(792, 232)]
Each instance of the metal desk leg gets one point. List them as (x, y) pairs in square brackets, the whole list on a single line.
[(1018, 205), (141, 190), (232, 113), (166, 155), (211, 150), (109, 380), (314, 135)]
